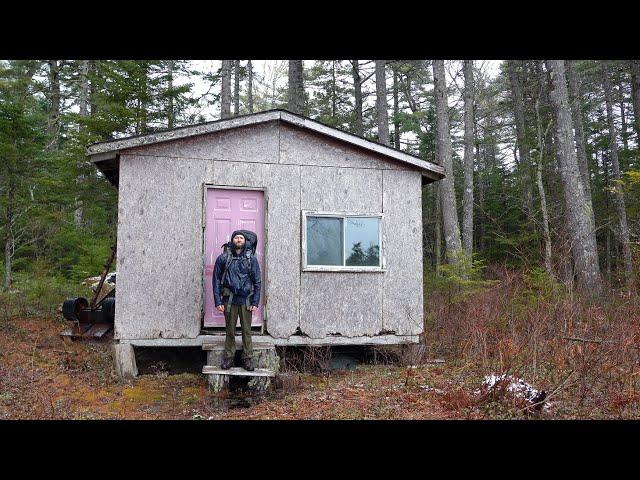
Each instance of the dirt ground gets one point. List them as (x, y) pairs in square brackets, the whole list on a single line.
[(44, 377)]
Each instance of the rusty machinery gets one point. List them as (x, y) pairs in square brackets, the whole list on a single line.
[(92, 319)]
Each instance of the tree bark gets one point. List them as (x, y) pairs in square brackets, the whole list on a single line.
[(170, 109), (581, 152), (541, 192), (438, 234), (521, 136), (623, 228), (635, 95), (396, 111), (83, 110), (296, 87), (451, 228), (467, 202), (53, 124), (381, 103), (225, 94), (250, 86), (334, 98), (357, 96), (579, 225), (236, 87), (83, 98)]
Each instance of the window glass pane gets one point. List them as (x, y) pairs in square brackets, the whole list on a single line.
[(324, 241), (362, 239)]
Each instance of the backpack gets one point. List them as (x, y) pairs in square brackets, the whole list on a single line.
[(251, 242)]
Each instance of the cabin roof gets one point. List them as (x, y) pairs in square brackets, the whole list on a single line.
[(105, 155)]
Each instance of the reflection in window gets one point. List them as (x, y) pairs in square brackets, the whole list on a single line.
[(362, 241), (343, 241), (324, 241)]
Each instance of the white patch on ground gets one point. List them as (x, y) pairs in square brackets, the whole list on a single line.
[(110, 280), (516, 386)]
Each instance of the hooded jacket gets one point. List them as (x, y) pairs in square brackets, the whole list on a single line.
[(239, 277)]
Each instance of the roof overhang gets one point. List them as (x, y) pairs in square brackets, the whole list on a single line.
[(106, 155)]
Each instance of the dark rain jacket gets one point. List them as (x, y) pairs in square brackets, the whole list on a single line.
[(238, 278)]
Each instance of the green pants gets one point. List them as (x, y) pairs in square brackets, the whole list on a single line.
[(230, 319)]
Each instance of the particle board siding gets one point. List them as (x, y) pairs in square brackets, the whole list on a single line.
[(402, 240), (341, 189), (282, 224), (159, 259), (344, 304), (300, 146), (254, 143)]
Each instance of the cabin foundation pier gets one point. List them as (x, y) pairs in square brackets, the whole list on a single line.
[(124, 360)]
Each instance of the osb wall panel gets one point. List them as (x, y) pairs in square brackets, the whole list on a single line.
[(301, 146), (282, 255), (348, 303), (341, 189), (340, 303), (159, 260), (253, 143), (402, 293)]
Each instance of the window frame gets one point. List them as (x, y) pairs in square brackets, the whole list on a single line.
[(381, 267)]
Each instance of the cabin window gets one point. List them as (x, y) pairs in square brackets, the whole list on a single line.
[(337, 241)]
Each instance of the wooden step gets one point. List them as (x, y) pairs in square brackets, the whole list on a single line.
[(258, 372)]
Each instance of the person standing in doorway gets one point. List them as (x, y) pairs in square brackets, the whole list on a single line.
[(236, 292)]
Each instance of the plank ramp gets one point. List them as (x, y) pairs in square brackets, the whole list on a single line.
[(237, 371)]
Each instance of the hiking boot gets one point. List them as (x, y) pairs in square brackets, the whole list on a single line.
[(247, 364), (226, 364)]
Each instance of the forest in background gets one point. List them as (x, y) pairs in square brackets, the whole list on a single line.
[(543, 155)]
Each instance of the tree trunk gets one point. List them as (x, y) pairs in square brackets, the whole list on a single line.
[(296, 87), (396, 111), (333, 89), (581, 152), (480, 220), (8, 242), (83, 110), (521, 136), (635, 96), (438, 234), (225, 94), (452, 241), (236, 87), (93, 107), (542, 194), (381, 103), (579, 225), (53, 124), (170, 109), (623, 228), (357, 95), (467, 202), (250, 86), (83, 98)]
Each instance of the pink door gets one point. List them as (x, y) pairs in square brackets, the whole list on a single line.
[(228, 210)]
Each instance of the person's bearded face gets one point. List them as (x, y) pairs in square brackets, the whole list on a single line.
[(238, 241)]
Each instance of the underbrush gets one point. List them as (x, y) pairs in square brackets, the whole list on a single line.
[(582, 353), (34, 295)]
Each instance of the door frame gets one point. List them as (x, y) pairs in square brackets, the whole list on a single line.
[(203, 222)]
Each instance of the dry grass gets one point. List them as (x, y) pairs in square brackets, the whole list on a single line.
[(584, 353)]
